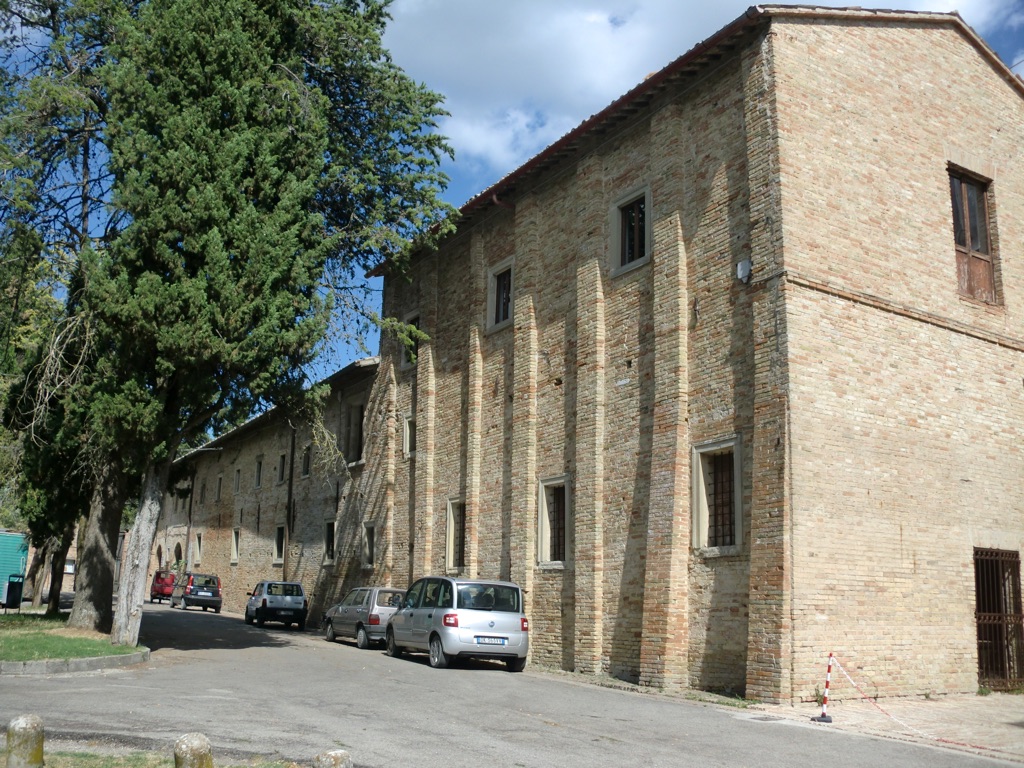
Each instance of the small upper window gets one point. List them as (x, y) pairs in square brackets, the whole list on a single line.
[(499, 295), (630, 227), (974, 263), (307, 460), (410, 350), (353, 445), (633, 232)]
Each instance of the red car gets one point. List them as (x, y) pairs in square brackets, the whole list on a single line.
[(162, 586)]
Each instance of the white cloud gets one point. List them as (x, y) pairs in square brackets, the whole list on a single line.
[(517, 75)]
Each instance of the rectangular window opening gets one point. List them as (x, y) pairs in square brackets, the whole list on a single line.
[(409, 436), (279, 544), (456, 535), (975, 263), (329, 541), (633, 231), (369, 543), (553, 521), (717, 497), (499, 295), (410, 352), (1000, 618), (354, 434)]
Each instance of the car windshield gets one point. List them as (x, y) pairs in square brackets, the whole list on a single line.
[(489, 597)]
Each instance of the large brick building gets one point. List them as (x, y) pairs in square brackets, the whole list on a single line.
[(286, 497), (716, 377), (732, 375)]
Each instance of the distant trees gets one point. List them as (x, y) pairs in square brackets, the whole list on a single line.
[(211, 180)]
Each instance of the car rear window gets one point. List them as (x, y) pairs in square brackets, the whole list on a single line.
[(165, 578), (290, 590), (489, 597), (204, 581), (389, 598)]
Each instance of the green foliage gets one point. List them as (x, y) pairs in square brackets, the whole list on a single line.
[(199, 189)]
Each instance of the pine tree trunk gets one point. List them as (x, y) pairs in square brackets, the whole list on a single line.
[(60, 557), (32, 580), (135, 567), (97, 555)]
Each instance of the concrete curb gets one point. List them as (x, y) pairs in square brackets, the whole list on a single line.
[(57, 666)]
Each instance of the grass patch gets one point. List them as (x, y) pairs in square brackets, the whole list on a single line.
[(36, 637)]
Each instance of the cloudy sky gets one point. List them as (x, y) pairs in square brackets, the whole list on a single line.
[(518, 74)]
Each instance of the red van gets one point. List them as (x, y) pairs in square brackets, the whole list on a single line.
[(161, 586)]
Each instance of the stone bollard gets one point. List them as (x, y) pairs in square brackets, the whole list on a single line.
[(193, 751), (337, 758), (25, 742)]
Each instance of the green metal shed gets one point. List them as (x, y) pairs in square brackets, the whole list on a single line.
[(13, 559)]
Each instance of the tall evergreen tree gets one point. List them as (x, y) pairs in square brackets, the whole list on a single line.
[(258, 156)]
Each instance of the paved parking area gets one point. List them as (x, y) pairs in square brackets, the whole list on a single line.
[(989, 726)]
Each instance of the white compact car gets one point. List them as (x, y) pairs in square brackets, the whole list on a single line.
[(283, 601)]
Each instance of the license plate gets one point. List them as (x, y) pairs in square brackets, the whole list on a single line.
[(205, 594), (490, 641), (286, 613)]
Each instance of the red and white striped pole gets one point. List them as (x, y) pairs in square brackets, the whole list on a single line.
[(824, 718)]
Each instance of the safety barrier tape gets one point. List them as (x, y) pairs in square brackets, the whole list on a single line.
[(833, 659)]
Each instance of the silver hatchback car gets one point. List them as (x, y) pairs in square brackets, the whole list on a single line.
[(363, 614), (452, 618)]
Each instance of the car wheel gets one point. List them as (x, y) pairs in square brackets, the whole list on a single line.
[(301, 625), (204, 608), (183, 605), (260, 621), (217, 609), (392, 649), (438, 658), (362, 639), (248, 618), (329, 633), (516, 664)]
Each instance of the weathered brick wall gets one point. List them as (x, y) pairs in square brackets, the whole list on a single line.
[(350, 496), (906, 404), (573, 387)]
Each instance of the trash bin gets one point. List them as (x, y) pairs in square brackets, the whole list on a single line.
[(15, 587)]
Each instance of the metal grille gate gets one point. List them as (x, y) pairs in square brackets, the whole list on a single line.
[(999, 617)]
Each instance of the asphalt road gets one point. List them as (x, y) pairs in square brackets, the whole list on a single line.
[(281, 694)]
